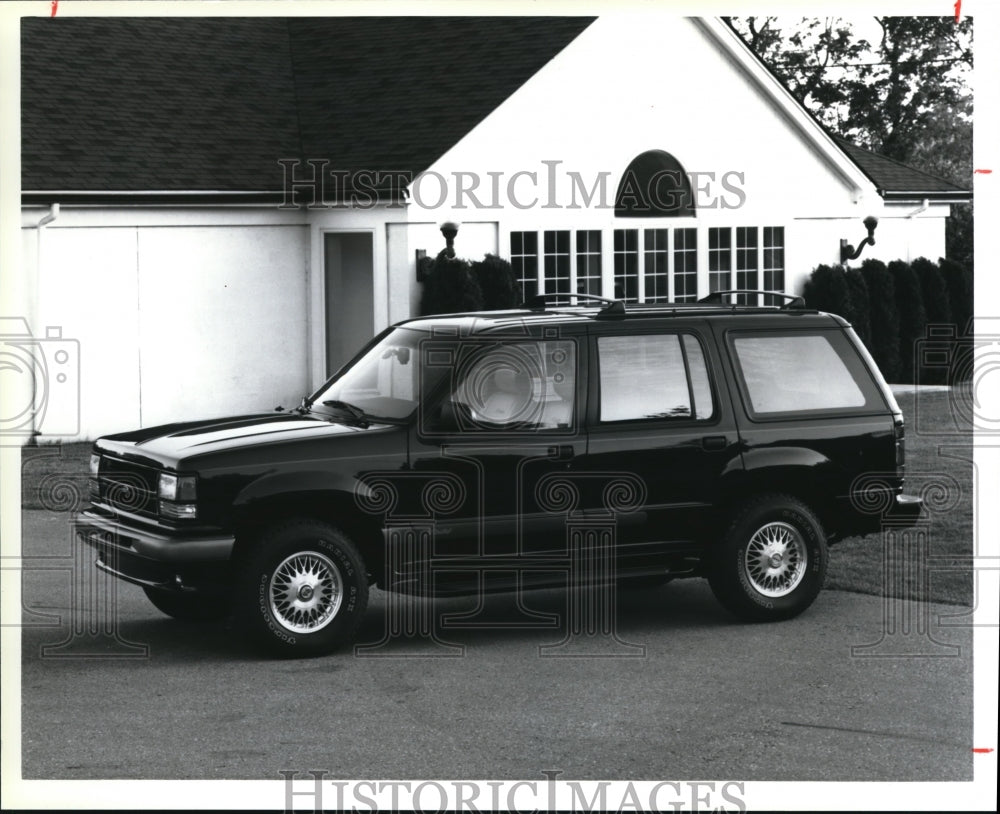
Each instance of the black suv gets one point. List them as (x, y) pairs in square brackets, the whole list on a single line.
[(501, 450)]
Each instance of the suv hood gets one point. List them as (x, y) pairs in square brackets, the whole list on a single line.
[(168, 444)]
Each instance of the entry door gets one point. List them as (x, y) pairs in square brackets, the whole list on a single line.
[(350, 301)]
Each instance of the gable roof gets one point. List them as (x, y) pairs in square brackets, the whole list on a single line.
[(182, 107), (892, 179), (897, 181), (203, 104)]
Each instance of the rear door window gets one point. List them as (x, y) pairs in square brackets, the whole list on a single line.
[(653, 376), (807, 372)]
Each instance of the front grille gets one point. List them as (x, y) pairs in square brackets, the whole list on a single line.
[(128, 486)]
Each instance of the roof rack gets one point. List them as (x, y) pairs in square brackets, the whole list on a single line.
[(794, 302), (540, 301)]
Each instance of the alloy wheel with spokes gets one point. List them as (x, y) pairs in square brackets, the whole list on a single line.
[(305, 591), (771, 560), (302, 588), (775, 559)]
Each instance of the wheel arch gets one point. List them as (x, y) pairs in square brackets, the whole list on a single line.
[(337, 507)]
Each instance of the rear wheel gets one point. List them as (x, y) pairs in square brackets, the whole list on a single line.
[(302, 589), (188, 607), (771, 562)]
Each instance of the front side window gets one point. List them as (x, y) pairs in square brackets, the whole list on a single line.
[(528, 385), (802, 372), (655, 376)]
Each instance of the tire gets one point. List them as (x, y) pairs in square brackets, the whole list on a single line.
[(771, 562), (302, 589), (189, 607)]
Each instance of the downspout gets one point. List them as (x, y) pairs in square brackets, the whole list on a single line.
[(920, 209), (48, 218)]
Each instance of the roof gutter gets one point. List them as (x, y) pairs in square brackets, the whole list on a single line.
[(925, 196), (278, 198)]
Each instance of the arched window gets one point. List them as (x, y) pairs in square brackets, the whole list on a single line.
[(654, 185)]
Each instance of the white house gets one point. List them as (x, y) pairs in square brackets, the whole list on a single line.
[(217, 213)]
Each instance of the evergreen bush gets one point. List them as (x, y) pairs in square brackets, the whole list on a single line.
[(496, 282), (937, 306), (450, 287), (884, 318), (859, 314), (826, 290), (912, 317)]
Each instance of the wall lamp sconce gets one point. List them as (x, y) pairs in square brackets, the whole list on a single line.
[(449, 230), (848, 252)]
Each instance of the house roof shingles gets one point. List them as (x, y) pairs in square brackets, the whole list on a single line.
[(896, 180), (212, 104), (206, 104)]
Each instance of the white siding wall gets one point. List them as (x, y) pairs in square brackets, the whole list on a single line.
[(176, 315)]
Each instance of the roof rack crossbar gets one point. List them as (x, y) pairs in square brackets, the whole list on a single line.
[(793, 301), (540, 301)]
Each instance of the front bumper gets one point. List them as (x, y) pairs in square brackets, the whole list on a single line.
[(151, 558)]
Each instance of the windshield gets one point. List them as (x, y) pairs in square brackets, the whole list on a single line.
[(385, 383)]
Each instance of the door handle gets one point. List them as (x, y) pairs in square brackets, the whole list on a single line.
[(714, 442), (563, 452)]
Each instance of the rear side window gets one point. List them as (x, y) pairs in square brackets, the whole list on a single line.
[(656, 376), (802, 372)]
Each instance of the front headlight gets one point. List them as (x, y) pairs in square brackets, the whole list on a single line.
[(95, 463), (177, 487)]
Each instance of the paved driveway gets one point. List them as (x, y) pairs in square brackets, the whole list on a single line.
[(685, 693)]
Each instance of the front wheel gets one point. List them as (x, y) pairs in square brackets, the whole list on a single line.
[(771, 562), (302, 589)]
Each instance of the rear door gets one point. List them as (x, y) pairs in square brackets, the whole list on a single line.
[(659, 416)]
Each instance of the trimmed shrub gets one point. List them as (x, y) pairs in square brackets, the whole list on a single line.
[(826, 290), (884, 315), (961, 294), (937, 306), (859, 314), (912, 317), (497, 283), (450, 287)]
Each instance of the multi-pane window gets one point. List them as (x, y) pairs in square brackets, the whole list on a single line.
[(655, 250), (746, 262), (774, 261), (720, 259), (627, 265), (588, 262), (524, 260), (685, 265), (556, 246)]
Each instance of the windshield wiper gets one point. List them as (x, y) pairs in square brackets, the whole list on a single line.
[(351, 409)]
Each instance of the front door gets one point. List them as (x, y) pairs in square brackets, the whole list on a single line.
[(507, 427)]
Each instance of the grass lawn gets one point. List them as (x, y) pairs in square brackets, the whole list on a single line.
[(55, 477)]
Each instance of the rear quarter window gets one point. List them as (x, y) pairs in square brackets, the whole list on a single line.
[(802, 373)]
